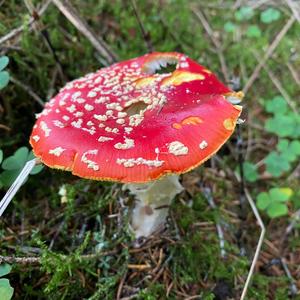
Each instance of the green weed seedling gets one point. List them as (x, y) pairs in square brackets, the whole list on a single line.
[(274, 202), (6, 291)]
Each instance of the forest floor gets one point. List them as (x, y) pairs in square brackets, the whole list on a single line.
[(68, 238)]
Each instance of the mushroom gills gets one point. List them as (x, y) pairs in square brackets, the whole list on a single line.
[(161, 65), (152, 201), (135, 108)]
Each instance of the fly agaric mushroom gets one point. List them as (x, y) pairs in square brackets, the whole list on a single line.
[(131, 124)]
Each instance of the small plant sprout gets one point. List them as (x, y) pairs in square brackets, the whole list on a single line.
[(141, 122)]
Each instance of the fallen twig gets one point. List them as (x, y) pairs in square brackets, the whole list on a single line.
[(259, 244), (40, 29), (120, 287), (38, 260), (28, 90), (294, 73), (278, 85), (293, 223), (145, 34), (293, 286), (29, 24), (200, 16), (208, 195), (268, 53), (294, 9), (72, 15)]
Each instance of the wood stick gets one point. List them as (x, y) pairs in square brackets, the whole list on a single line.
[(72, 15), (268, 53)]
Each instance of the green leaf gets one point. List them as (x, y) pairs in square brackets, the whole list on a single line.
[(244, 13), (4, 60), (277, 209), (281, 125), (295, 147), (6, 291), (4, 79), (277, 105), (289, 151), (21, 155), (10, 163), (253, 31), (16, 161), (37, 169), (250, 171), (263, 200), (270, 15), (296, 199), (280, 194), (1, 156), (282, 145), (229, 27), (273, 201), (276, 164), (7, 177), (5, 269)]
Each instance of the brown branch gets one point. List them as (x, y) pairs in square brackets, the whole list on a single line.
[(5, 127), (268, 53), (120, 287), (29, 24), (41, 29), (294, 9), (294, 73), (38, 259), (145, 34), (218, 47), (72, 15), (28, 90), (278, 85)]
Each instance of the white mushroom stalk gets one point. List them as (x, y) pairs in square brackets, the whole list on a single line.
[(152, 201)]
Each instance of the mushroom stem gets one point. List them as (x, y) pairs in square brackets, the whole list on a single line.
[(152, 202)]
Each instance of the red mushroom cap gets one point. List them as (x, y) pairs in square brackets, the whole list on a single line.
[(127, 123)]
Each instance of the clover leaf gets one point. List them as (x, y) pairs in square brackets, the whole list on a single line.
[(229, 27), (270, 15), (4, 76), (277, 105), (276, 164), (244, 13), (4, 60), (253, 31), (282, 125), (250, 171), (289, 150), (5, 269), (6, 291), (274, 201)]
